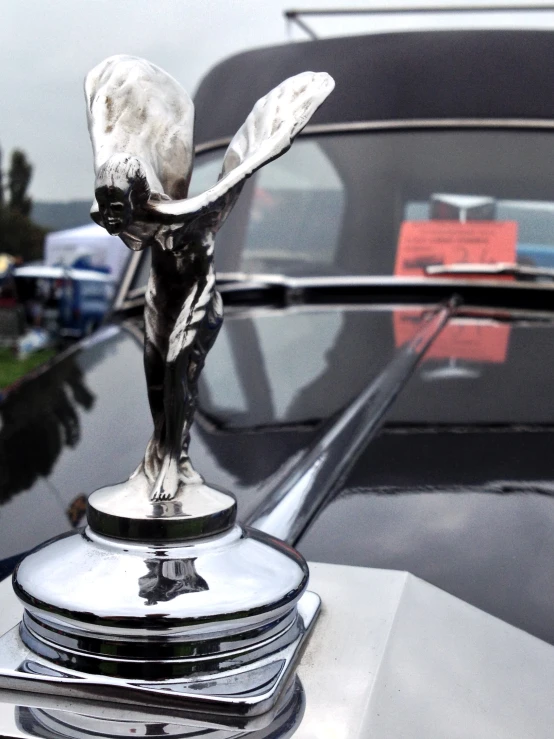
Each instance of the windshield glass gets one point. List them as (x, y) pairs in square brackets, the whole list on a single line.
[(386, 203)]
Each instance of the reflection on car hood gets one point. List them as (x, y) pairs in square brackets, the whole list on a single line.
[(448, 491), (470, 511)]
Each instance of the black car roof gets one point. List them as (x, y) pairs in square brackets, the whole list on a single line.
[(395, 76)]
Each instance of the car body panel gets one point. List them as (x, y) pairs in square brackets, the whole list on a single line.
[(468, 512)]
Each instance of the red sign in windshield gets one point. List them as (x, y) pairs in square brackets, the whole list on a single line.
[(425, 243)]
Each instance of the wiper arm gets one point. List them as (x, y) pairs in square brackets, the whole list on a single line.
[(519, 271)]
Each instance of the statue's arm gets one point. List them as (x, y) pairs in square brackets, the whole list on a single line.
[(268, 132)]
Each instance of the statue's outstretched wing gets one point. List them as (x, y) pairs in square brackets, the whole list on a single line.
[(267, 133), (137, 109)]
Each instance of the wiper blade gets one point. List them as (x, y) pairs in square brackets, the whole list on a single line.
[(509, 269)]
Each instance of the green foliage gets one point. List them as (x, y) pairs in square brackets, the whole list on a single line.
[(19, 236), (12, 368)]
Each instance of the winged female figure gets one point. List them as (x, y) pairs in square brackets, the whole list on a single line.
[(141, 126)]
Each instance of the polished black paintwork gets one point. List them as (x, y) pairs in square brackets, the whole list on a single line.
[(517, 391), (87, 417), (67, 430), (84, 422), (469, 510), (457, 488)]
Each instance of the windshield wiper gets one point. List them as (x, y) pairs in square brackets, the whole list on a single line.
[(510, 269)]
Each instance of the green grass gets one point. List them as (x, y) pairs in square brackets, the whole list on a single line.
[(12, 368)]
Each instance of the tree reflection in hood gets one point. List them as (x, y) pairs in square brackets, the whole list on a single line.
[(37, 420)]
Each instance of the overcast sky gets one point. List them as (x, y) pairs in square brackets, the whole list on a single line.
[(47, 47)]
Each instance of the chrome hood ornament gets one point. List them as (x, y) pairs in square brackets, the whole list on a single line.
[(163, 599), (141, 123)]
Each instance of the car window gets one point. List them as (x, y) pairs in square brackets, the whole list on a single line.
[(339, 204), (296, 211), (295, 208), (534, 219)]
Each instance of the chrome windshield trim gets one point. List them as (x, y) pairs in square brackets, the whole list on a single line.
[(296, 15), (123, 294), (290, 505), (519, 271), (403, 124), (213, 144)]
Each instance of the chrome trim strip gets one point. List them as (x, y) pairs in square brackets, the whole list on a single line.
[(137, 292), (291, 504), (132, 266), (133, 303), (214, 144), (415, 123), (131, 326), (294, 15), (407, 123)]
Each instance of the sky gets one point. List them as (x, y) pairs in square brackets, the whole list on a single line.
[(47, 47)]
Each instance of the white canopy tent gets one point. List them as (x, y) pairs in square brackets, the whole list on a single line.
[(92, 241)]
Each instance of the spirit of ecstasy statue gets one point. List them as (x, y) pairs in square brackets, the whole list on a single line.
[(141, 125), (163, 600)]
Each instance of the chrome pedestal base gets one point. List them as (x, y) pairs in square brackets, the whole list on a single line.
[(201, 616), (125, 511), (245, 699)]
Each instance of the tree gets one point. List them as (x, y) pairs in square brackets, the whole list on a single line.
[(19, 178), (19, 236)]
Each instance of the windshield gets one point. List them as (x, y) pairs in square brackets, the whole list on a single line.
[(391, 203)]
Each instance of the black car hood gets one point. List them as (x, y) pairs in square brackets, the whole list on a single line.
[(471, 511), (456, 488)]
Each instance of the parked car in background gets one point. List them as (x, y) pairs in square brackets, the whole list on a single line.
[(42, 308), (380, 393), (66, 302)]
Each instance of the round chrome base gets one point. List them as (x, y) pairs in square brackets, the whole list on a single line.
[(169, 600), (154, 659), (247, 698), (114, 608)]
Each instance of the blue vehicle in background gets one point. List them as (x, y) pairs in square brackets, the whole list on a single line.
[(66, 302)]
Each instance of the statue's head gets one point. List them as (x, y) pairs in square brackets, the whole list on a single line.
[(121, 188)]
